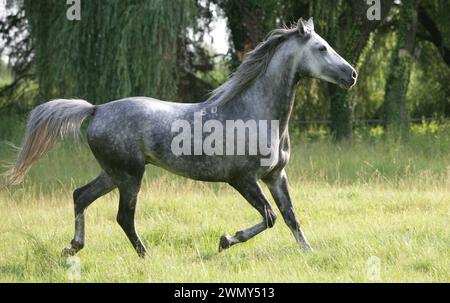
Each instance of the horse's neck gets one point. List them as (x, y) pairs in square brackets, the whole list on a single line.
[(271, 96)]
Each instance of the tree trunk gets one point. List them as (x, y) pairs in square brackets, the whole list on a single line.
[(340, 114), (396, 118), (352, 39), (249, 22)]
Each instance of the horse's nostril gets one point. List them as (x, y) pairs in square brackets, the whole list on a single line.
[(354, 75)]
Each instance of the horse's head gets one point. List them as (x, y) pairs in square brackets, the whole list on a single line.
[(320, 60)]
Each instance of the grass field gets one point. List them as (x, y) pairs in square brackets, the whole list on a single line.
[(358, 203)]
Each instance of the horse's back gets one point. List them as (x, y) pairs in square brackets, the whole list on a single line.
[(115, 132), (133, 129)]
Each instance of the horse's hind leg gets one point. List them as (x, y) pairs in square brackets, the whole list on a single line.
[(129, 186), (253, 193), (82, 198)]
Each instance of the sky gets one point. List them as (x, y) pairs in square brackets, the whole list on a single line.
[(219, 34)]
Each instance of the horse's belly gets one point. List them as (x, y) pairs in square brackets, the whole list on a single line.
[(193, 167), (210, 168)]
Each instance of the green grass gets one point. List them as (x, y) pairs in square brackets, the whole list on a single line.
[(354, 201)]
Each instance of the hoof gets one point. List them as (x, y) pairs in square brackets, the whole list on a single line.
[(306, 249), (225, 242), (142, 254), (68, 252)]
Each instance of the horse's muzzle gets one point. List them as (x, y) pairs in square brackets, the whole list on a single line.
[(349, 77)]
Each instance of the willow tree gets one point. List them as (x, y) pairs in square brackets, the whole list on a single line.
[(118, 48), (395, 108)]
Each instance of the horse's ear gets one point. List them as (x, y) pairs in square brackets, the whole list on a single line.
[(301, 27), (310, 24)]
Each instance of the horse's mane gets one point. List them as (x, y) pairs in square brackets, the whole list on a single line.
[(251, 68)]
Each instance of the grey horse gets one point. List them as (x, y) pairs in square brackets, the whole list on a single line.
[(127, 134)]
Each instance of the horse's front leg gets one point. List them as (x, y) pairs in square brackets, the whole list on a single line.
[(278, 186), (251, 191)]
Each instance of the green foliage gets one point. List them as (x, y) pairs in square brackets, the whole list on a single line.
[(395, 108), (218, 75), (368, 94), (311, 101), (429, 90), (117, 49), (5, 74)]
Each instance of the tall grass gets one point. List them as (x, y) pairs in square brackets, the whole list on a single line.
[(355, 201)]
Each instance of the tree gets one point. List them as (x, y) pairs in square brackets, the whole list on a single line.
[(395, 109), (118, 48), (349, 33), (249, 21), (433, 16), (17, 47)]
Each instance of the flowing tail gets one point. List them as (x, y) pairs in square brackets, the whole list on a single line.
[(48, 122)]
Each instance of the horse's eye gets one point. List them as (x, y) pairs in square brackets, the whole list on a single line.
[(323, 48)]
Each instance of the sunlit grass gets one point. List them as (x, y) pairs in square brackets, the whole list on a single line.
[(354, 201)]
